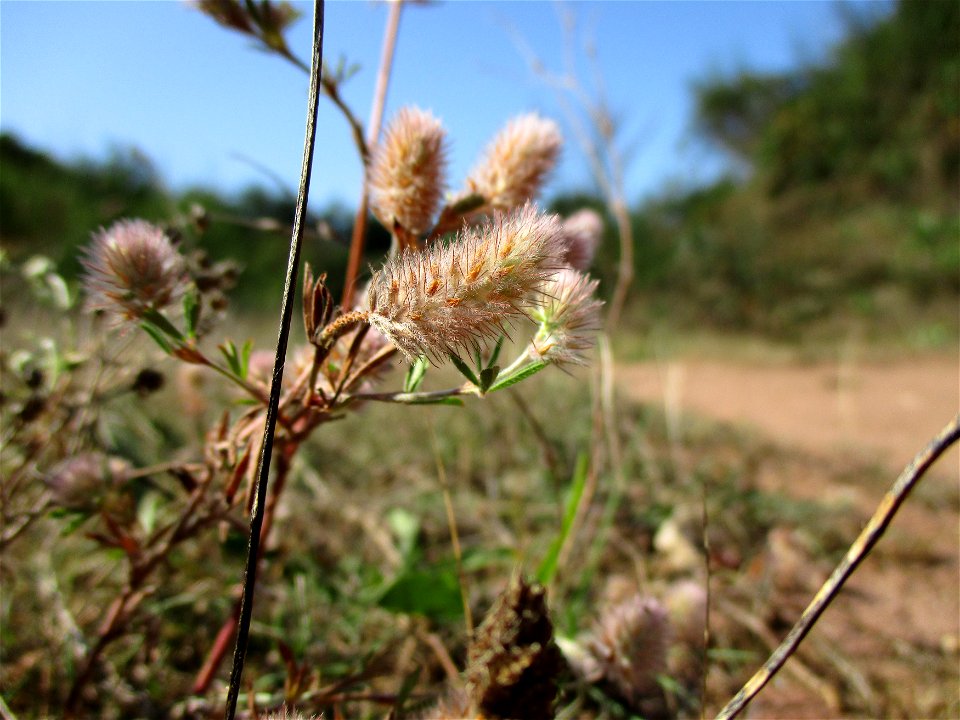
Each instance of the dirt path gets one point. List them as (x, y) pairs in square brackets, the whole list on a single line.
[(892, 638), (888, 411)]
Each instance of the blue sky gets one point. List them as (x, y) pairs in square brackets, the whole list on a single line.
[(77, 78)]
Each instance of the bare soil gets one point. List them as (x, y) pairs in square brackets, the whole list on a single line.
[(888, 646), (883, 411)]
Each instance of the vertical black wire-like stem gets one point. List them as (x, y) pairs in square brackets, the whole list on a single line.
[(286, 314)]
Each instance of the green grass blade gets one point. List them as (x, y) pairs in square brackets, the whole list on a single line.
[(548, 568)]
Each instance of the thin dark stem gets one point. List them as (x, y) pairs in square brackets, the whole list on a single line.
[(546, 444), (286, 315), (888, 507)]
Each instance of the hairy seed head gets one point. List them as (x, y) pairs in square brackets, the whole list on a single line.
[(288, 714), (406, 171), (437, 300), (131, 268), (517, 162), (583, 230), (569, 318), (630, 643)]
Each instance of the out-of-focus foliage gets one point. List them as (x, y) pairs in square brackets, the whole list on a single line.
[(842, 210), (881, 115), (50, 207)]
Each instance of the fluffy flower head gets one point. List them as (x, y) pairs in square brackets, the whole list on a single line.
[(406, 171), (583, 230), (517, 162), (569, 317), (437, 300), (630, 645), (80, 481), (132, 267)]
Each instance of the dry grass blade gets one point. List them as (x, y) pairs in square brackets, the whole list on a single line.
[(858, 551)]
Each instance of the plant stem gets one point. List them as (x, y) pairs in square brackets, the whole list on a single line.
[(254, 392), (415, 397), (513, 367), (454, 534), (286, 314), (358, 238)]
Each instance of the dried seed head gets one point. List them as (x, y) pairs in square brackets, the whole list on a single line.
[(513, 661), (569, 317), (131, 268), (228, 13), (630, 643), (686, 601), (406, 171), (517, 162), (583, 230), (460, 295), (687, 605)]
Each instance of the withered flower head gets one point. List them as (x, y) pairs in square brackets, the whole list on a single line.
[(517, 162), (132, 267), (513, 661), (569, 318), (406, 171), (583, 230), (460, 295), (229, 13), (630, 643)]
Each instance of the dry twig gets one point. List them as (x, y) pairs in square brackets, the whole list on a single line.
[(861, 547)]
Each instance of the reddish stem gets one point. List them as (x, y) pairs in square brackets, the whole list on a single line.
[(221, 646)]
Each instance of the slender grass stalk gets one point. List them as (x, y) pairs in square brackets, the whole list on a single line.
[(707, 568), (454, 533), (595, 129), (860, 548), (286, 315), (358, 238)]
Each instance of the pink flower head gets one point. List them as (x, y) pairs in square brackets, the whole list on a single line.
[(583, 230), (630, 643), (569, 318), (132, 267)]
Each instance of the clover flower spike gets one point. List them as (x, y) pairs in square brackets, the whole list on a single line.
[(407, 171), (583, 230), (630, 644), (445, 298), (517, 162), (132, 268), (569, 318)]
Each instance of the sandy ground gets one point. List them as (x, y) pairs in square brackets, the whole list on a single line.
[(897, 623), (885, 411)]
